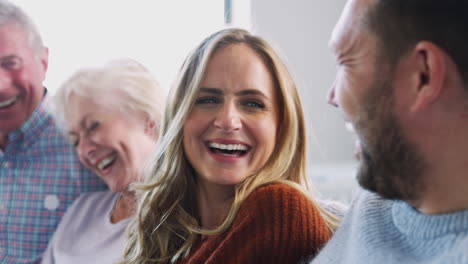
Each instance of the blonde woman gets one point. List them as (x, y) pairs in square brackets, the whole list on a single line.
[(228, 182), (111, 114)]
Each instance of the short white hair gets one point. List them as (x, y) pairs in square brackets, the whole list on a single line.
[(123, 85), (10, 14)]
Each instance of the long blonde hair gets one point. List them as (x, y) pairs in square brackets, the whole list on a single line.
[(166, 226)]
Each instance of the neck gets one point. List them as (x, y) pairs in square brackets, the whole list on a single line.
[(440, 137), (214, 202), (445, 192), (124, 207), (445, 176)]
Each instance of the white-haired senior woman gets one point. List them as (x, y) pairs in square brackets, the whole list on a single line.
[(111, 115)]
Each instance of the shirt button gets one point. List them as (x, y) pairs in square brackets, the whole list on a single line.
[(7, 164)]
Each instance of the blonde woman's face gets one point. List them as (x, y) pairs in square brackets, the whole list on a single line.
[(113, 145), (231, 131)]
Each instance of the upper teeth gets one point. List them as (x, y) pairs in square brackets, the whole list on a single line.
[(228, 146), (8, 102), (106, 161)]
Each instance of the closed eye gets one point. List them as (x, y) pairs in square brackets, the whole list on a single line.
[(93, 126)]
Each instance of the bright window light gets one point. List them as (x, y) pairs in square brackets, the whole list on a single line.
[(157, 33), (240, 13)]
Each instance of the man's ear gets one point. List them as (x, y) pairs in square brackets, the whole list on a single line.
[(431, 67), (45, 58)]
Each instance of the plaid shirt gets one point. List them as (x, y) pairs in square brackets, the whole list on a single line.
[(40, 176)]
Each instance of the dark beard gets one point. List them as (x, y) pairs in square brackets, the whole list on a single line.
[(390, 165)]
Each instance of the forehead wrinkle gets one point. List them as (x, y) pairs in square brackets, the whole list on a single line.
[(350, 30), (349, 44)]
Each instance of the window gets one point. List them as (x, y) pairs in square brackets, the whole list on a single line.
[(157, 33), (238, 13)]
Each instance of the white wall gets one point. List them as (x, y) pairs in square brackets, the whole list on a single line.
[(157, 33), (301, 30)]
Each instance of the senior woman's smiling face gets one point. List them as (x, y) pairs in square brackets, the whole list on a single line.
[(231, 130), (113, 144)]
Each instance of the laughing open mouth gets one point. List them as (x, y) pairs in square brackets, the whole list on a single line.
[(8, 102), (231, 150), (107, 162)]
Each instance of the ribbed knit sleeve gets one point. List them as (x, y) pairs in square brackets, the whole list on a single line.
[(275, 224)]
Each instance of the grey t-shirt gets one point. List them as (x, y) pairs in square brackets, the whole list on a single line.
[(86, 235)]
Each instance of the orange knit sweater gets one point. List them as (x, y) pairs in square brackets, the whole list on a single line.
[(275, 224)]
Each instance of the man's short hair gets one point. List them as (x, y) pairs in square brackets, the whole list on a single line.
[(401, 24), (12, 14)]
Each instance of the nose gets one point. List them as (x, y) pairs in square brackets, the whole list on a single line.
[(228, 119), (85, 150), (331, 96)]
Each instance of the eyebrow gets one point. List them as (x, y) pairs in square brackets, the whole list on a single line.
[(211, 90), (8, 57), (243, 92), (252, 92), (82, 125)]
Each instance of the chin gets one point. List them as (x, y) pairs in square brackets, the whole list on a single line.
[(226, 180)]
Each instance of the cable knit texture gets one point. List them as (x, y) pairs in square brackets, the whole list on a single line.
[(383, 231), (275, 224)]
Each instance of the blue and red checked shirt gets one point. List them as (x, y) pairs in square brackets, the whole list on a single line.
[(40, 176)]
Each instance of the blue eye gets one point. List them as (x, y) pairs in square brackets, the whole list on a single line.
[(254, 104), (207, 100)]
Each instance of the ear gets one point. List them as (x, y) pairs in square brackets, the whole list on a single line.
[(44, 58), (150, 127), (431, 67)]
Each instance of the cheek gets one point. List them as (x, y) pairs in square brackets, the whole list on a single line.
[(265, 134), (347, 93), (191, 132), (196, 124), (30, 79)]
